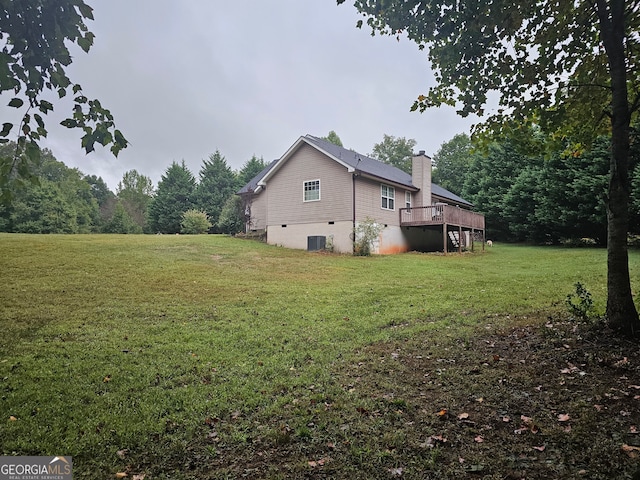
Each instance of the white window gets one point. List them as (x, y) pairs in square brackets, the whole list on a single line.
[(388, 197), (407, 199), (311, 191)]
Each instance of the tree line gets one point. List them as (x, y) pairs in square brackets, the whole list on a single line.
[(533, 188), (529, 188), (59, 199)]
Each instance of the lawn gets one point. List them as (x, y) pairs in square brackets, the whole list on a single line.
[(211, 357)]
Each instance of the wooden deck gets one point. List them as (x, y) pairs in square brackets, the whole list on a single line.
[(452, 220), (441, 215)]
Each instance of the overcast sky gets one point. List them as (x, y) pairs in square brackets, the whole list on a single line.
[(186, 78)]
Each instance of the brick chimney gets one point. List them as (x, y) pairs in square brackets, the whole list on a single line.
[(421, 178)]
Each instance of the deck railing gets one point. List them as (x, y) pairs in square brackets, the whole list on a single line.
[(441, 214)]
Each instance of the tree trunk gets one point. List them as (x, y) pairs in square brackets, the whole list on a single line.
[(621, 310)]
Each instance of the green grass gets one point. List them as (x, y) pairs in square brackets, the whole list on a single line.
[(133, 342)]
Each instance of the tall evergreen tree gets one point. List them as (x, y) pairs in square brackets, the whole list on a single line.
[(250, 169), (489, 178), (174, 196), (217, 183)]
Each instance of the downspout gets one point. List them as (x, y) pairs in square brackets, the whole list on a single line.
[(353, 201), (353, 220)]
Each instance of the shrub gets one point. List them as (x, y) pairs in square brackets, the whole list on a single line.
[(366, 234), (580, 304), (195, 222)]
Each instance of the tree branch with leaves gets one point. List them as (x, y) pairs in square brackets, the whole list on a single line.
[(35, 35), (533, 56)]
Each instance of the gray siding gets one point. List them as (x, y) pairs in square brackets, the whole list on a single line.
[(285, 190), (369, 202)]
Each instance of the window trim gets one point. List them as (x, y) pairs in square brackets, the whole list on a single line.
[(305, 190), (407, 199), (389, 198)]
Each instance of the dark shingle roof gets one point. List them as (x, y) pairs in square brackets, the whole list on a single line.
[(364, 164)]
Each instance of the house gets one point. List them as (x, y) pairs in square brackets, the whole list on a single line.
[(317, 193)]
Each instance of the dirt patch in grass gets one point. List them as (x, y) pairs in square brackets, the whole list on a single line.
[(545, 399)]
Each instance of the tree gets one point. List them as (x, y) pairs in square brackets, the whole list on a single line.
[(488, 180), (34, 57), (135, 192), (333, 137), (452, 163), (250, 169), (217, 183), (570, 63), (396, 151), (121, 221), (174, 196), (43, 208), (232, 217)]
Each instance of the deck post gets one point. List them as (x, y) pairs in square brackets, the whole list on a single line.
[(444, 237), (473, 234), (460, 239)]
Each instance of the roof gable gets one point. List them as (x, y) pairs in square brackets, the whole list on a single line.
[(353, 162)]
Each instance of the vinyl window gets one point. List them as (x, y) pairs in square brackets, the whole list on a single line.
[(388, 195), (311, 191)]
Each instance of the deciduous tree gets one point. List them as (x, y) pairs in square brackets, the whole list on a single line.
[(396, 151), (333, 138), (573, 63), (135, 192), (452, 161)]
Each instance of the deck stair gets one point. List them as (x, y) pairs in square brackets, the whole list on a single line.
[(454, 236)]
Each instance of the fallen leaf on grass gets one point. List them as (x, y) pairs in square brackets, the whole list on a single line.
[(622, 362), (506, 419), (121, 475), (479, 439), (540, 448), (526, 420), (463, 416), (122, 453), (563, 417), (434, 440), (631, 450), (442, 412), (12, 418), (395, 472), (140, 476), (633, 429), (319, 463)]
